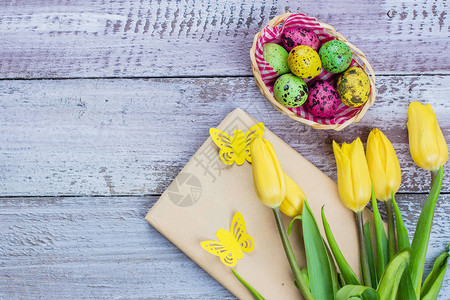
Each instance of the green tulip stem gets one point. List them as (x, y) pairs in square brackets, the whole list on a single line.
[(391, 229), (365, 270), (433, 176), (291, 258), (421, 237)]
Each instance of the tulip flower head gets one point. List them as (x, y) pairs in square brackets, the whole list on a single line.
[(353, 175), (268, 177), (292, 204), (383, 165), (426, 141)]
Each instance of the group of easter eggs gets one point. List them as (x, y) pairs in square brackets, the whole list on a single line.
[(299, 57)]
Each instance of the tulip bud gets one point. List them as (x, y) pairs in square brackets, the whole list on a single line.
[(292, 204), (383, 165), (426, 141), (268, 177), (353, 175)]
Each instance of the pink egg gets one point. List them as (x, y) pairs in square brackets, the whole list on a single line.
[(323, 100), (296, 36)]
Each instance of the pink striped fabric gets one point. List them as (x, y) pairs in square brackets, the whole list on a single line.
[(269, 76)]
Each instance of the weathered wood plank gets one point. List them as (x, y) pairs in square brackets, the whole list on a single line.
[(92, 248), (83, 38), (103, 248), (125, 137)]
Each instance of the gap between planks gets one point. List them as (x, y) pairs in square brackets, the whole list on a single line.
[(152, 195)]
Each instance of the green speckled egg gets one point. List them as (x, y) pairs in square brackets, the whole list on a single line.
[(290, 90), (336, 56), (276, 57)]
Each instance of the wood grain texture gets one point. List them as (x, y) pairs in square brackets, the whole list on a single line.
[(102, 247), (66, 248), (132, 137), (126, 138), (67, 39)]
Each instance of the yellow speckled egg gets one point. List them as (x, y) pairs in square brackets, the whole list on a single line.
[(353, 87), (304, 62)]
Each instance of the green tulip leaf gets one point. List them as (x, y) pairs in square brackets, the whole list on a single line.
[(333, 270), (405, 288), (305, 276), (299, 217), (419, 244), (341, 281), (368, 236), (392, 243), (433, 282), (381, 239), (402, 233), (319, 272), (346, 271), (357, 292), (389, 282)]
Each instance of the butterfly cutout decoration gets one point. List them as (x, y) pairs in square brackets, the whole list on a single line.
[(236, 149), (231, 244)]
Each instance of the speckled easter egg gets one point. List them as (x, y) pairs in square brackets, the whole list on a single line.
[(336, 56), (304, 62), (323, 100), (276, 57), (290, 90), (296, 36), (353, 87)]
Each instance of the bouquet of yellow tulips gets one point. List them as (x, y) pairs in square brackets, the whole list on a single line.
[(396, 271)]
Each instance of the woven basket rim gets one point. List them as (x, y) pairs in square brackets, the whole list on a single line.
[(357, 55)]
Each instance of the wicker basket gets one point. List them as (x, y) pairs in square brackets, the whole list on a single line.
[(358, 56)]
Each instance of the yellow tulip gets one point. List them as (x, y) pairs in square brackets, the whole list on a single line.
[(268, 177), (426, 141), (383, 165), (292, 204), (353, 175)]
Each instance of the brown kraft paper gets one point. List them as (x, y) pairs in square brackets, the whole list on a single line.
[(207, 193)]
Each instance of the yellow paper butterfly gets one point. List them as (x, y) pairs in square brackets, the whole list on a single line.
[(231, 244), (237, 148)]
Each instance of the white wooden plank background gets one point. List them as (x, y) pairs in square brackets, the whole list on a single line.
[(63, 39), (125, 137), (103, 102)]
